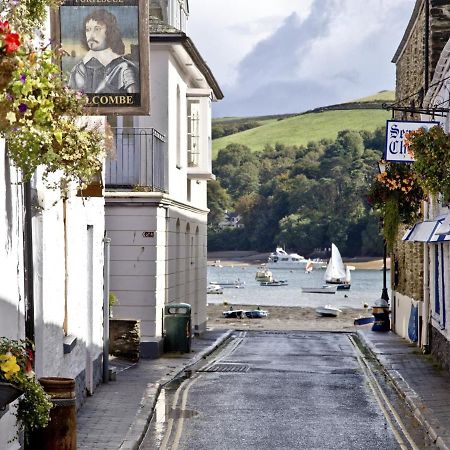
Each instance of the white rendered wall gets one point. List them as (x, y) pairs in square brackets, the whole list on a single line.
[(83, 285), (171, 267), (12, 322), (402, 313)]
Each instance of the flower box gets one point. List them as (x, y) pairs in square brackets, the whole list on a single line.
[(8, 393)]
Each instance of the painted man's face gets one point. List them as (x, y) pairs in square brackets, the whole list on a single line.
[(96, 35)]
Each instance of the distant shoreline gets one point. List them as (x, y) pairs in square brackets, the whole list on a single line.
[(251, 258)]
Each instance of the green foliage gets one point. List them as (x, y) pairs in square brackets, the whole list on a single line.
[(302, 129), (391, 222), (33, 411), (231, 127), (304, 196), (431, 151), (27, 16), (219, 202), (237, 168), (112, 299)]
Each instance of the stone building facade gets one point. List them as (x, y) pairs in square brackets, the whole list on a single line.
[(415, 277)]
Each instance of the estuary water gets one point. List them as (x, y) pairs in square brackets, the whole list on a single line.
[(366, 288)]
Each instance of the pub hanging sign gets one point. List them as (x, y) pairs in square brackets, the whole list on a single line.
[(396, 150), (105, 47)]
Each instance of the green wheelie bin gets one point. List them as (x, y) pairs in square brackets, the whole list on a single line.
[(177, 327)]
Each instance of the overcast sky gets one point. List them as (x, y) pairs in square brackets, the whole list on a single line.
[(287, 56)]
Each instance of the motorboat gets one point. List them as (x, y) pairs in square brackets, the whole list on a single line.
[(328, 311), (214, 289), (280, 259), (263, 274), (256, 314), (242, 314), (234, 314), (229, 284), (336, 272), (274, 283), (364, 320), (325, 289)]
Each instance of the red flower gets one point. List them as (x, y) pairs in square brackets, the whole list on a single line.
[(4, 27), (12, 42), (29, 366)]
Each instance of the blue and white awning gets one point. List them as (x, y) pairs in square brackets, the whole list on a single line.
[(437, 230), (442, 233)]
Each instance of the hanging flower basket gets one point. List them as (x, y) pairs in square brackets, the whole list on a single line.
[(8, 393), (397, 195), (8, 65), (431, 152)]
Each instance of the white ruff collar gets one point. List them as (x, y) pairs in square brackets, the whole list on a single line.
[(103, 56)]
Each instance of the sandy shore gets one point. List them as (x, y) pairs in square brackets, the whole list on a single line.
[(248, 258), (284, 318)]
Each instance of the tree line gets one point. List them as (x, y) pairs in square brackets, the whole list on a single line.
[(300, 197)]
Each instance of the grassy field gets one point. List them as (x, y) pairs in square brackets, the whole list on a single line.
[(300, 130)]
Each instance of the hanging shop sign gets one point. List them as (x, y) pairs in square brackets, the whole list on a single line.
[(396, 150), (106, 53)]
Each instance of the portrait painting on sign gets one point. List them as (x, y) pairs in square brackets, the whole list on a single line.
[(102, 53)]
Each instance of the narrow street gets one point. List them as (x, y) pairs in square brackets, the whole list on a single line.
[(283, 390)]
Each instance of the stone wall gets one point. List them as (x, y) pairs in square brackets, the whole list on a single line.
[(124, 338), (411, 59), (407, 268), (440, 348), (439, 30), (410, 66)]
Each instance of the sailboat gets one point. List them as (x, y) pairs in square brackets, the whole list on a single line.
[(337, 272)]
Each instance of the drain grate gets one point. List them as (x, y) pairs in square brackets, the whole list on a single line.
[(226, 368)]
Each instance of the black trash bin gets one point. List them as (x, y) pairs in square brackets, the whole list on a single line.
[(177, 327)]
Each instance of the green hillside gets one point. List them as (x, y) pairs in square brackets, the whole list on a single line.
[(304, 128)]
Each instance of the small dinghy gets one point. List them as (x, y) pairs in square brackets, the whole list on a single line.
[(326, 289), (274, 283), (328, 311)]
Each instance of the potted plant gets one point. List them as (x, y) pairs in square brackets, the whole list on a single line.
[(431, 152), (17, 380), (397, 195)]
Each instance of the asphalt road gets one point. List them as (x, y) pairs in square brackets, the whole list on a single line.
[(276, 391)]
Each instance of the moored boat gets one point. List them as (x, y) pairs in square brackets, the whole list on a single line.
[(214, 289), (326, 289), (229, 284), (328, 311), (336, 272), (263, 274), (274, 283), (280, 259)]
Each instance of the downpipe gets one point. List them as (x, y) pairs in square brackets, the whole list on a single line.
[(106, 272)]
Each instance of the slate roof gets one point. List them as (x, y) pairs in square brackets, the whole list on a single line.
[(158, 26)]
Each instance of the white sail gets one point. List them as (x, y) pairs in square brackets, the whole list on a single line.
[(336, 272)]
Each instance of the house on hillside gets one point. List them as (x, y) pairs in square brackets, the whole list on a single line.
[(156, 207), (231, 220), (421, 256)]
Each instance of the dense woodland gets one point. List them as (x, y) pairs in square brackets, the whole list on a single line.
[(302, 198)]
